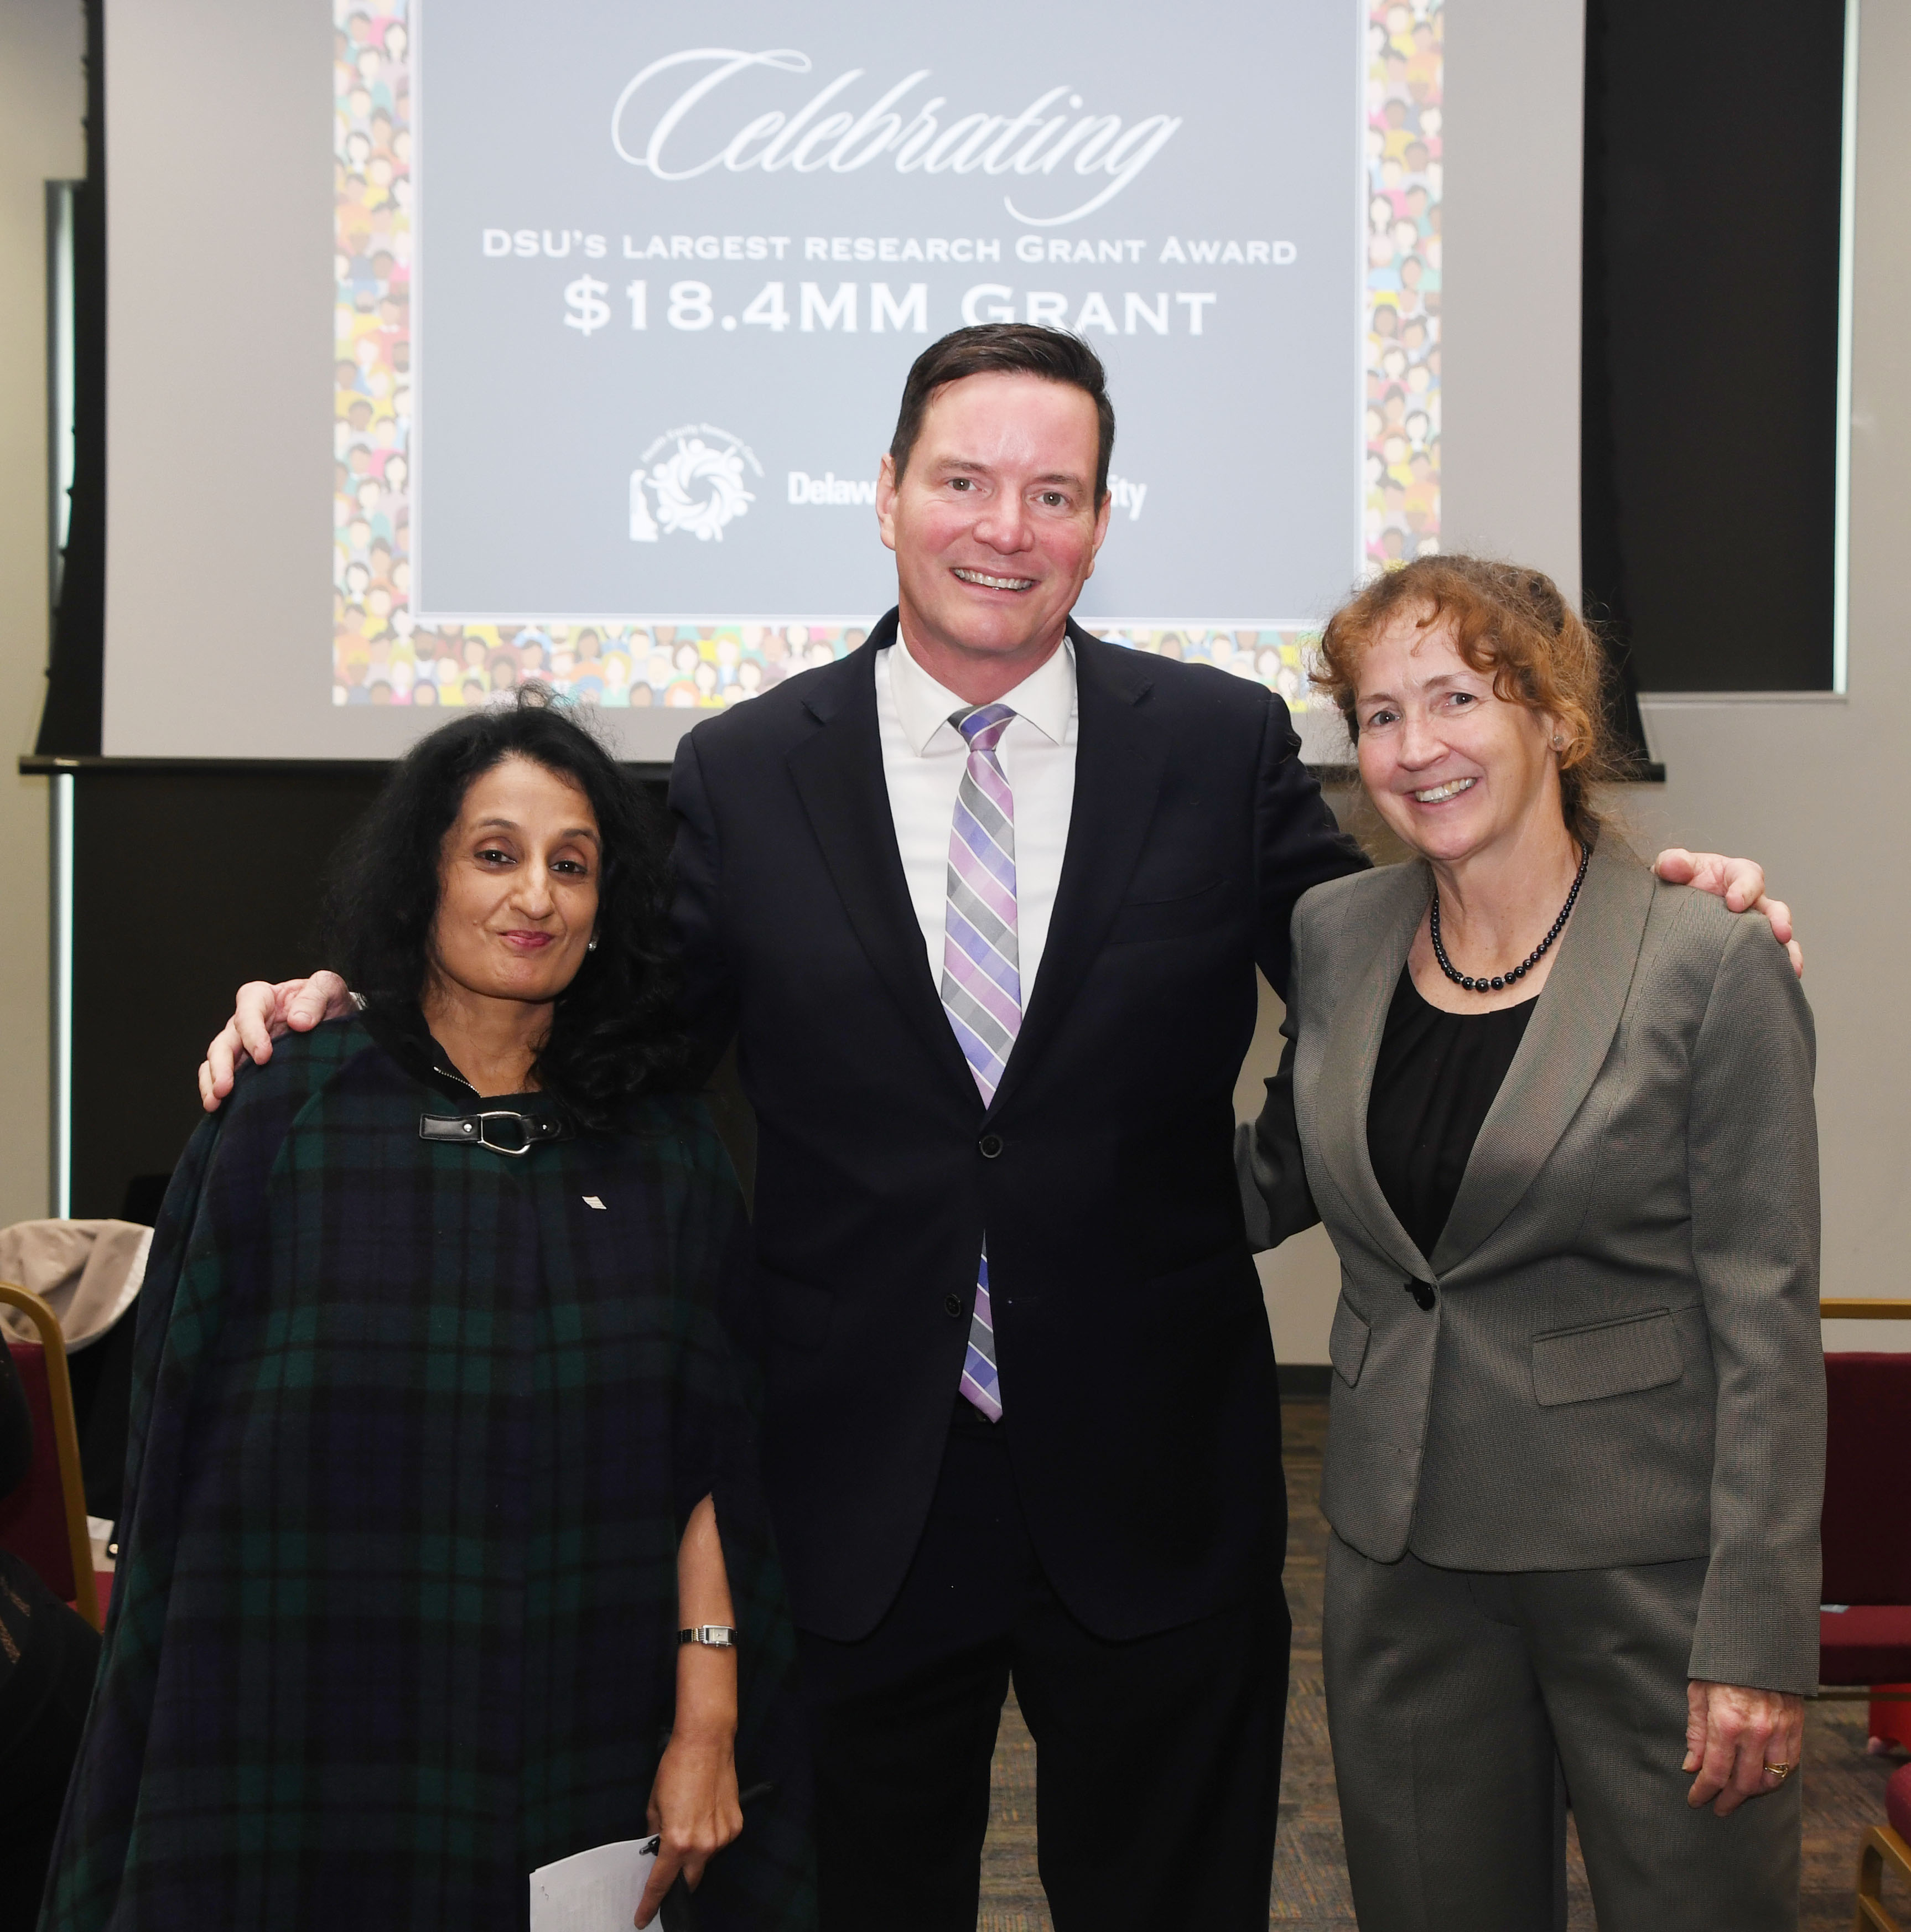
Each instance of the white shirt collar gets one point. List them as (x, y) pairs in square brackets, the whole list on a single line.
[(1045, 698)]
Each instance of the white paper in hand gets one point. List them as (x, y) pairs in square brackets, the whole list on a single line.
[(595, 1891)]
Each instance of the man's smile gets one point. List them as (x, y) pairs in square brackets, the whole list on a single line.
[(993, 583)]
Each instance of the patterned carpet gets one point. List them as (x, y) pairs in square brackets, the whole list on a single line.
[(1844, 1785)]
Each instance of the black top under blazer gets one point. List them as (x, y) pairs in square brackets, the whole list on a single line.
[(1610, 1355), (1140, 1409)]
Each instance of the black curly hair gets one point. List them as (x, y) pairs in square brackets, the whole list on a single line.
[(614, 1031)]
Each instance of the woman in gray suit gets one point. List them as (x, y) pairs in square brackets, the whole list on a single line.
[(1558, 1118)]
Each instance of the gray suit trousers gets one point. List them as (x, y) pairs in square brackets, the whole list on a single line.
[(1466, 1706)]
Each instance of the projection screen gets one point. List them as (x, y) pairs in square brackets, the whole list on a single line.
[(482, 343)]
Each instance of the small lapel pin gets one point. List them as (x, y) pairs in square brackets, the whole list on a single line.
[(592, 1200)]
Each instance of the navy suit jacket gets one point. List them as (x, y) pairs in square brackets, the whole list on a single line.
[(1140, 1402)]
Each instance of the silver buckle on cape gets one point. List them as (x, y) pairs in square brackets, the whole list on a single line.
[(474, 1129)]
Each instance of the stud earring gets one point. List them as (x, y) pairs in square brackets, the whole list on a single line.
[(592, 947)]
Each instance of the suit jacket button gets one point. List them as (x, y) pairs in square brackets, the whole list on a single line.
[(1422, 1292), (952, 1304), (989, 1146)]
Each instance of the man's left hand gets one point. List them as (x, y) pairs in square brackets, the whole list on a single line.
[(1739, 882)]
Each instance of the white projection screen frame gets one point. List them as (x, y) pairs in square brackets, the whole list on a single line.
[(259, 593)]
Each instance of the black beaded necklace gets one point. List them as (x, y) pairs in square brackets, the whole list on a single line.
[(1500, 980)]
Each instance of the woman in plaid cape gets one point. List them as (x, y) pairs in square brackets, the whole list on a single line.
[(436, 1441)]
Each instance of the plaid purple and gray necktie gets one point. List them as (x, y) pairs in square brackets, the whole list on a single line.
[(981, 970)]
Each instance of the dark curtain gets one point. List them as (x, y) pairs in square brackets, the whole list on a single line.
[(69, 725), (1710, 350)]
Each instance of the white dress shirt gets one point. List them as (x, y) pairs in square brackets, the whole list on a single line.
[(923, 758)]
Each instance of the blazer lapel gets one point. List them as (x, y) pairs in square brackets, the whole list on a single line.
[(1118, 764), (1566, 1043), (837, 773), (1381, 924)]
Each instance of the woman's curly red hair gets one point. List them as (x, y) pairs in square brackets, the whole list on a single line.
[(1505, 622)]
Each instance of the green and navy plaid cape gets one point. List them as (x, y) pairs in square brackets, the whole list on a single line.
[(415, 1430)]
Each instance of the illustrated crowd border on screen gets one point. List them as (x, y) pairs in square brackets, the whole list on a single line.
[(381, 656)]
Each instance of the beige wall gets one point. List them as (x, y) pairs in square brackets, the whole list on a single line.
[(42, 101), (1509, 286)]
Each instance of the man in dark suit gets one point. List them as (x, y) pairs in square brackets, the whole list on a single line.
[(1062, 1463), (983, 904)]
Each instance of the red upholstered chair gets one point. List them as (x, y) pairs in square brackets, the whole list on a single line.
[(1884, 1844), (1867, 1521), (1866, 1534), (43, 1521)]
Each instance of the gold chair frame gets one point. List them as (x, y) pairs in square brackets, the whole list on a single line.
[(1882, 1846), (66, 1445)]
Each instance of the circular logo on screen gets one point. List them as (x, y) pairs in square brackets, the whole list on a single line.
[(690, 481)]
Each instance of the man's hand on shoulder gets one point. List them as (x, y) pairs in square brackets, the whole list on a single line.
[(263, 1013), (1739, 882)]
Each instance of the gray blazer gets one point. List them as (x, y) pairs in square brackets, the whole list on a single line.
[(1622, 1363)]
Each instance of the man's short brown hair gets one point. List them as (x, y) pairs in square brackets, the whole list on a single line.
[(1013, 348)]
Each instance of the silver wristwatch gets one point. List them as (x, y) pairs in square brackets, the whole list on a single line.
[(713, 1637)]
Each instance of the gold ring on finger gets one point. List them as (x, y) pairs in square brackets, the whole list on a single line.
[(1781, 1771)]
